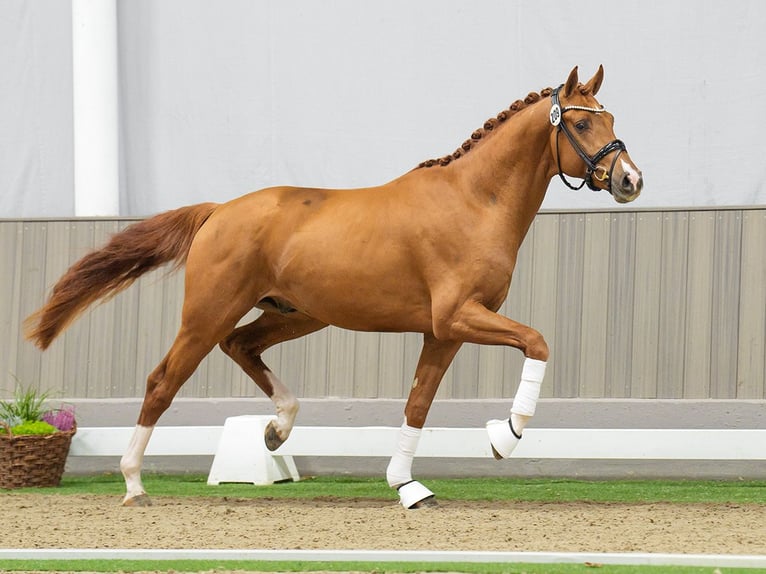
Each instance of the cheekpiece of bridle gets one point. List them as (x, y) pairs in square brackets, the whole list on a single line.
[(593, 169)]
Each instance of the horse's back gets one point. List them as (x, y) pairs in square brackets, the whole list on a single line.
[(279, 216), (333, 254)]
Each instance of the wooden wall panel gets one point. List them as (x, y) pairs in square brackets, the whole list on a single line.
[(636, 304), (751, 355), (646, 310), (725, 313), (11, 243), (594, 319), (699, 305), (568, 303), (671, 334), (620, 304)]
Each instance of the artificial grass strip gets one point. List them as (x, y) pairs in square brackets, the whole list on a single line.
[(468, 489)]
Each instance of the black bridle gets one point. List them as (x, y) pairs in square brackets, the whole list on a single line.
[(557, 117)]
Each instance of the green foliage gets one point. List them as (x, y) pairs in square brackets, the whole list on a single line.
[(26, 405), (26, 414), (33, 428)]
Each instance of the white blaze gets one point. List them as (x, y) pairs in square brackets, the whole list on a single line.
[(633, 176)]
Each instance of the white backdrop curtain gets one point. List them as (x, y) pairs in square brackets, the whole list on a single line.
[(218, 98)]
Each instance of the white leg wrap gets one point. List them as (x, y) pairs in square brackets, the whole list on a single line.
[(399, 470), (528, 392), (503, 436)]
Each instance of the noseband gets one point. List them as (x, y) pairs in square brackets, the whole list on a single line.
[(556, 117)]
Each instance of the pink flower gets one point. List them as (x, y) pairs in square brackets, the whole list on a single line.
[(62, 419)]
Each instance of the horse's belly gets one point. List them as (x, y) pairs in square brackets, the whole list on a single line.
[(343, 300), (367, 317)]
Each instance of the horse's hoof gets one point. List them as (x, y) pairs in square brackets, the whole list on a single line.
[(502, 438), (138, 500), (271, 438), (428, 502), (414, 495)]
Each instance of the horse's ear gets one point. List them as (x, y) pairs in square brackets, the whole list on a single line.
[(572, 82), (594, 83)]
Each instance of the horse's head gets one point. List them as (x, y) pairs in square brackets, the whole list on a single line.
[(589, 148)]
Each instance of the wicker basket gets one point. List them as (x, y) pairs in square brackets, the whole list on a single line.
[(33, 460)]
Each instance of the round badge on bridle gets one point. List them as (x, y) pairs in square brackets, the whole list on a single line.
[(555, 115)]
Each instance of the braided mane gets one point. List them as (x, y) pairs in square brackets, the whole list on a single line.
[(486, 130)]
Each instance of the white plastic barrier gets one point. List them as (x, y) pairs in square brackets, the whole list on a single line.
[(241, 456)]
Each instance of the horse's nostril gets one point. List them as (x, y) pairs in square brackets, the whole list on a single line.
[(626, 183)]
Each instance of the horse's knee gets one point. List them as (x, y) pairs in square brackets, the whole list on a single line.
[(536, 347)]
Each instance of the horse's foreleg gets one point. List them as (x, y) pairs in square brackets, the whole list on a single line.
[(475, 323), (246, 344), (435, 358), (504, 435)]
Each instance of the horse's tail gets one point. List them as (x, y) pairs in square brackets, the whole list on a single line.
[(105, 272)]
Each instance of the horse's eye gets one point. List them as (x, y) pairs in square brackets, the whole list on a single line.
[(581, 126)]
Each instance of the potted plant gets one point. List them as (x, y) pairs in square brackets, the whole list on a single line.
[(34, 440)]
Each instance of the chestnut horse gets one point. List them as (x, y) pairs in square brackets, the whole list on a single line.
[(431, 252)]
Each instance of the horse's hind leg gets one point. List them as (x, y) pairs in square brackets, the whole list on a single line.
[(435, 358), (189, 348), (203, 324), (246, 344)]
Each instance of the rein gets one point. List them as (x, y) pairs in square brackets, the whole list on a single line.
[(556, 116)]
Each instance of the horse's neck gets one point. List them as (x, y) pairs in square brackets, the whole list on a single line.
[(512, 169)]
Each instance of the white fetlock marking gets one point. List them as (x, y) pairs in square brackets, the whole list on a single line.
[(501, 437), (132, 461), (399, 469), (285, 404), (412, 493)]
